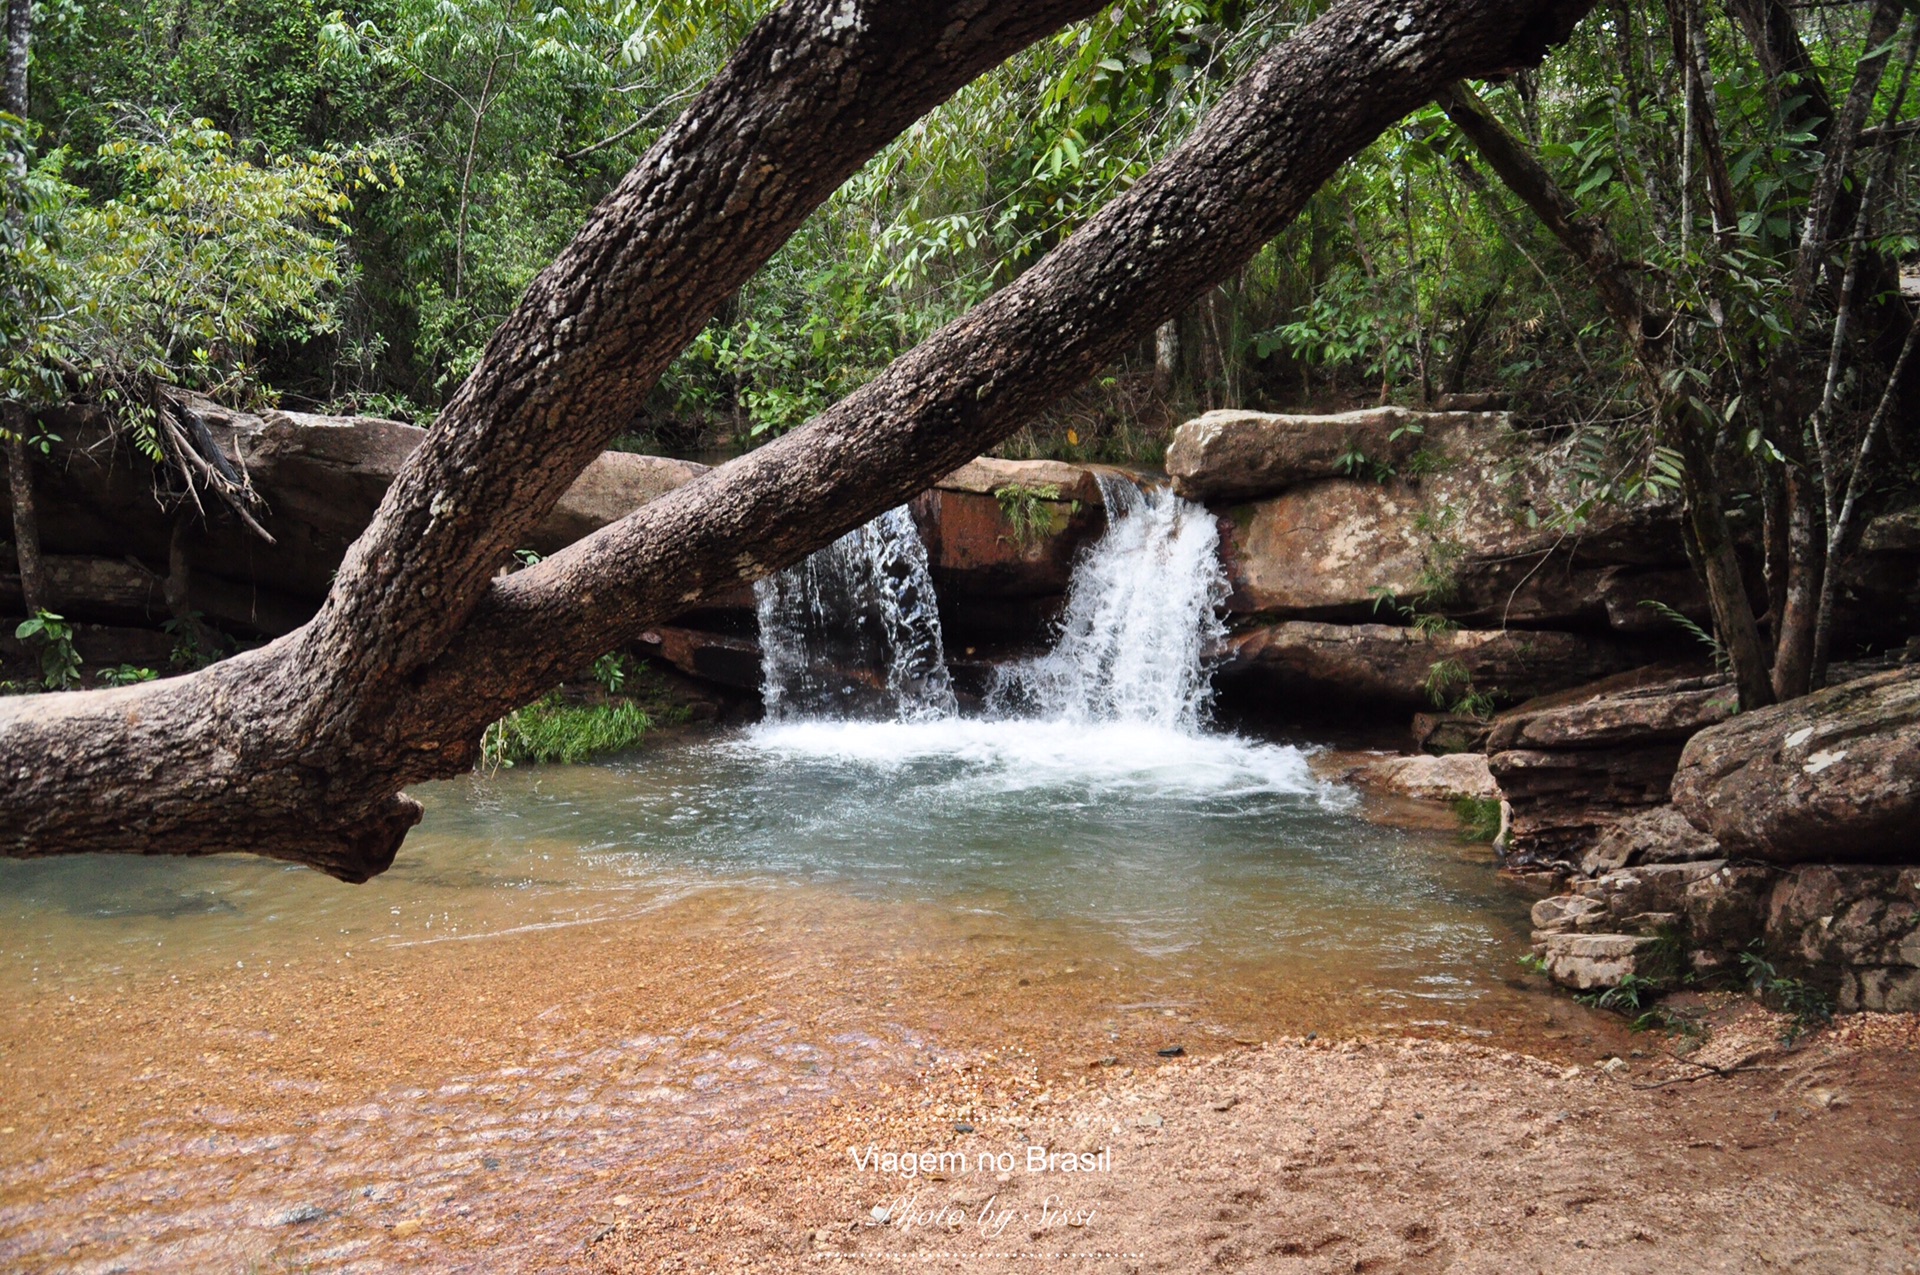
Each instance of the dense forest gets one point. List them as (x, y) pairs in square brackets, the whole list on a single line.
[(1678, 243)]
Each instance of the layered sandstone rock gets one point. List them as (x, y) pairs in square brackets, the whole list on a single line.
[(1576, 764), (1395, 665)]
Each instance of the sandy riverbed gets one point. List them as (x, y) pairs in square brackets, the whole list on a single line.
[(685, 1090)]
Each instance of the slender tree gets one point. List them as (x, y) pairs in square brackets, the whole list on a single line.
[(15, 424)]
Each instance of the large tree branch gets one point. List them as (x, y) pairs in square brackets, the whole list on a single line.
[(225, 760), (815, 90), (1194, 219)]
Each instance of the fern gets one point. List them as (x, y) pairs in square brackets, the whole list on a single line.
[(1721, 659)]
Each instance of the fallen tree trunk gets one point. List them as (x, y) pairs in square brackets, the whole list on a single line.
[(299, 750)]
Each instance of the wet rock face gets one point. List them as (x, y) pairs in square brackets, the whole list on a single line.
[(976, 552), (1831, 776)]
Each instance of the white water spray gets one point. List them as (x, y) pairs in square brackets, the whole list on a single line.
[(1142, 612), (851, 658)]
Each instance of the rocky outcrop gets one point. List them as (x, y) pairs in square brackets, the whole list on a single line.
[(711, 657), (1393, 665), (998, 582), (1851, 931), (1855, 929), (320, 477), (1233, 455), (1659, 835), (1830, 776), (1574, 765), (1462, 526)]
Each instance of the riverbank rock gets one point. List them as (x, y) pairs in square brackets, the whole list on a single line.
[(1855, 929), (1575, 764), (1430, 778), (1850, 930), (1239, 455), (1683, 917), (1391, 665), (1589, 962), (1831, 776)]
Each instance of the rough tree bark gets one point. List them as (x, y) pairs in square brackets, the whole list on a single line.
[(1645, 328), (15, 423), (299, 750)]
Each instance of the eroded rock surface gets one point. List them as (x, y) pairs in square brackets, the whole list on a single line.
[(1238, 455), (1391, 664), (1831, 776)]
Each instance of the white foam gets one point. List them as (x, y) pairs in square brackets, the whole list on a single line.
[(1018, 756)]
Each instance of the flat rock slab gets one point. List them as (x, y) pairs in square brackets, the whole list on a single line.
[(1392, 664), (1240, 455)]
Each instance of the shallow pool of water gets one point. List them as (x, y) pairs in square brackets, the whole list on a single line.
[(631, 968), (1177, 853)]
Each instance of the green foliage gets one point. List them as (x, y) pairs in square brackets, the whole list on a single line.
[(1479, 817), (195, 645), (53, 636), (1031, 511), (610, 670), (1532, 963), (176, 279), (125, 675), (1629, 996), (1808, 1007), (1687, 626), (552, 731)]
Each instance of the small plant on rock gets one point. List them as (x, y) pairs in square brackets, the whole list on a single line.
[(1028, 510), (1479, 817), (1808, 1007)]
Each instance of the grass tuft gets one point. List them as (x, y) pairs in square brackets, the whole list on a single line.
[(551, 731)]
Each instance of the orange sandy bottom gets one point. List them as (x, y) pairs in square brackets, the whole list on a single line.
[(690, 1089)]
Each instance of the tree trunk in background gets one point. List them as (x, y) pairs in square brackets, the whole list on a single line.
[(1680, 425), (299, 749), (26, 524), (1166, 355)]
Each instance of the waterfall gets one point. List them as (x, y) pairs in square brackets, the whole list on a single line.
[(1142, 611), (854, 631)]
